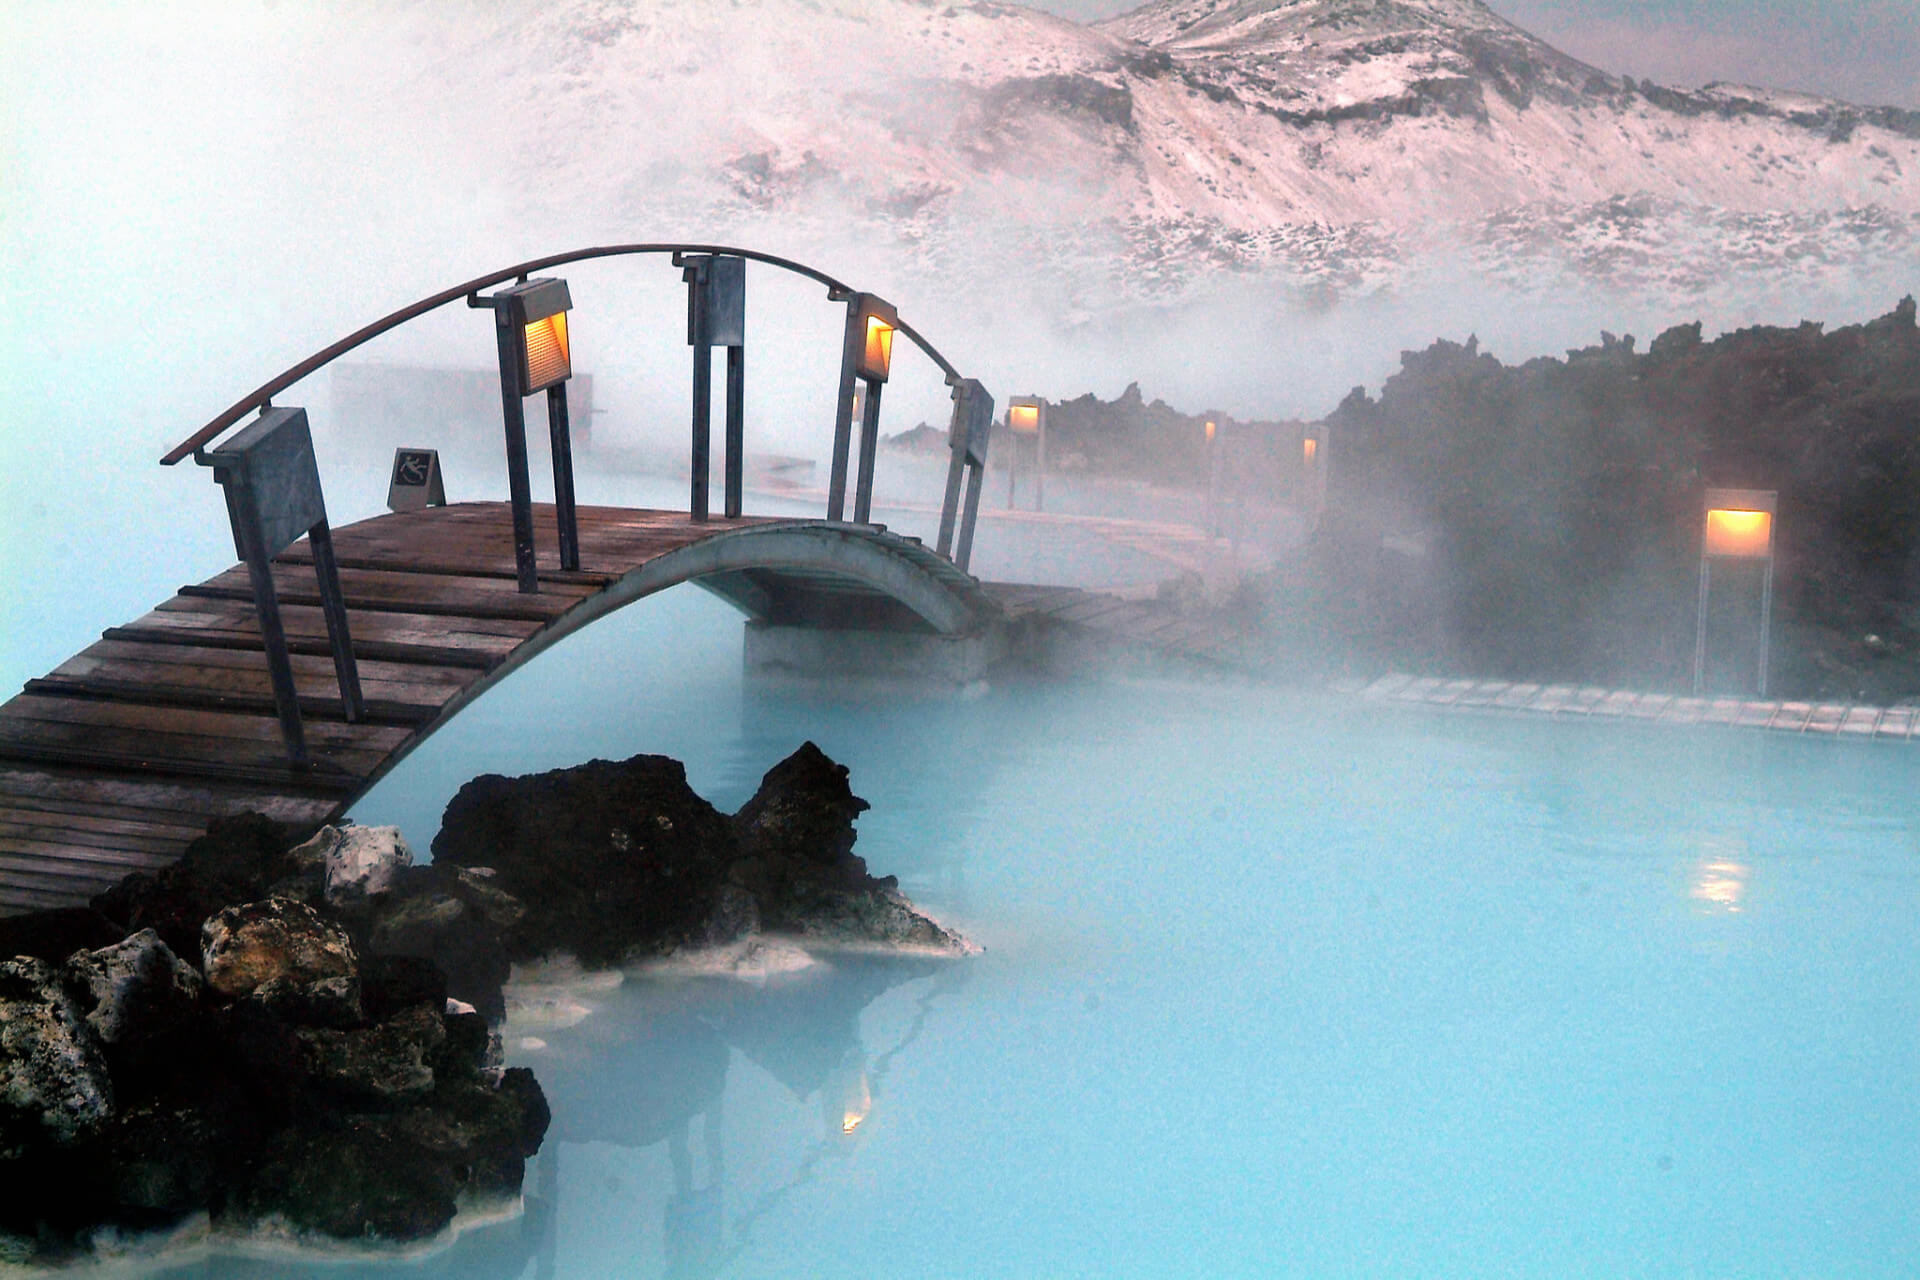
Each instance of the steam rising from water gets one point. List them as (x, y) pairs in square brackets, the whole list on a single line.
[(200, 195)]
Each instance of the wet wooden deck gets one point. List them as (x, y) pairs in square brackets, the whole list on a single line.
[(1565, 701)]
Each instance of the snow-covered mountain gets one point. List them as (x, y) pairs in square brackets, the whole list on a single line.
[(1338, 144)]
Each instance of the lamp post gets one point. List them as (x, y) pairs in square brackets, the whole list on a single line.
[(716, 317), (866, 355), (1738, 525), (1213, 479), (1313, 470), (530, 321), (1027, 417)]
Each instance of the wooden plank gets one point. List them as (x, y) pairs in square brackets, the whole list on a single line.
[(308, 621), (374, 591), (171, 663), (74, 884), (57, 849), (188, 801), (159, 821), (78, 830), (376, 710), (201, 726), (335, 771)]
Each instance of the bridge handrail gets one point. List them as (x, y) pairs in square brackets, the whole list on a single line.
[(263, 395)]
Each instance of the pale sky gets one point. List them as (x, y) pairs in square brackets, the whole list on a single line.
[(1865, 51)]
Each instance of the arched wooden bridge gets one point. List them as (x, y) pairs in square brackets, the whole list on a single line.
[(239, 694)]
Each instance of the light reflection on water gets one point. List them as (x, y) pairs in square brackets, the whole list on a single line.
[(1275, 984)]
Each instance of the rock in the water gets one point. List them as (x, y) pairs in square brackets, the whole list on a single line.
[(138, 986), (54, 1085), (803, 812), (241, 859), (288, 953), (457, 920), (56, 933), (355, 863), (617, 860), (390, 1062), (608, 858)]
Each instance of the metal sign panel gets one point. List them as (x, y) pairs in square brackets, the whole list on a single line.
[(272, 462), (972, 420), (416, 481)]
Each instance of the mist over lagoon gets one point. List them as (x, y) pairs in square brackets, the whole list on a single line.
[(1275, 980)]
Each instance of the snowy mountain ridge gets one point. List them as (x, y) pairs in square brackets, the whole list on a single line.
[(1335, 143)]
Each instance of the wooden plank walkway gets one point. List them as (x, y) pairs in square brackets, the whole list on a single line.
[(1565, 701), (124, 753)]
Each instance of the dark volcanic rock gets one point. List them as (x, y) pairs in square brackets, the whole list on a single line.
[(241, 859), (56, 933), (617, 860), (54, 1086), (455, 918), (608, 858)]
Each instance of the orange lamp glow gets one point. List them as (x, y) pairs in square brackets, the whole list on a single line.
[(548, 358), (879, 354), (1210, 429), (1746, 535), (1308, 448), (1023, 418)]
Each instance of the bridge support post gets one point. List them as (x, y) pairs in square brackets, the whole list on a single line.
[(967, 437), (560, 436), (272, 488), (716, 317), (869, 445), (519, 487)]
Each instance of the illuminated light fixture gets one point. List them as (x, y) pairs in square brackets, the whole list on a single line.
[(536, 354), (1739, 535), (1027, 417), (1308, 448), (866, 356), (538, 311), (876, 357), (1737, 525), (1210, 430)]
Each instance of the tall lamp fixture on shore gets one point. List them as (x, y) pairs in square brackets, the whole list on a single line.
[(1027, 420), (1738, 526), (866, 355), (530, 322), (716, 317), (1213, 478)]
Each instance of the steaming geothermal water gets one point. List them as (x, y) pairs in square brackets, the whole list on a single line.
[(1274, 984)]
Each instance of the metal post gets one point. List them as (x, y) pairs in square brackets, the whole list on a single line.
[(963, 553), (1213, 487), (1013, 460), (334, 606), (1766, 618), (519, 489), (560, 435), (956, 472), (702, 427), (869, 445), (850, 351), (736, 428), (266, 605), (1040, 463), (1700, 630)]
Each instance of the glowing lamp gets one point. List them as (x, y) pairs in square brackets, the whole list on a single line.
[(1024, 414), (1308, 448), (878, 321), (536, 315), (1739, 524), (1210, 431)]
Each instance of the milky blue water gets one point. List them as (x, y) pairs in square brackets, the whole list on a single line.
[(1275, 983)]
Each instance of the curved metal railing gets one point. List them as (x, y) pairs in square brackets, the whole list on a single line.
[(262, 395)]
